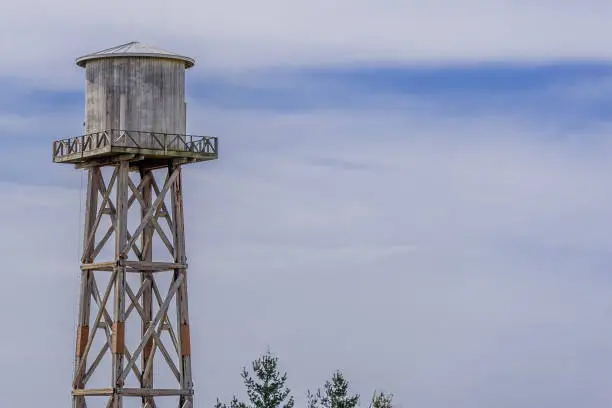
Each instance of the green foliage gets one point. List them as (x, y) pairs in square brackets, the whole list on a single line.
[(233, 404), (335, 394), (381, 400), (266, 389)]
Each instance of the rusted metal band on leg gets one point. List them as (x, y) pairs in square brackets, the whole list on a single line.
[(147, 350), (185, 341), (81, 340), (118, 338)]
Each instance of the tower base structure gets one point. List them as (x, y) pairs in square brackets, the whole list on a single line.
[(133, 344)]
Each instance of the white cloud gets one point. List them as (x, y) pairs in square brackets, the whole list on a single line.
[(49, 125), (417, 254), (473, 264), (39, 40)]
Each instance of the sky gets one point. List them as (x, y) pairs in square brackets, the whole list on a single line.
[(415, 193)]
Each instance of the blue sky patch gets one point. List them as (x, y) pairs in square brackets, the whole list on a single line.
[(449, 90)]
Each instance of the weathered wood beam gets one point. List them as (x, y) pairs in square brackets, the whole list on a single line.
[(143, 182), (108, 323), (99, 266), (147, 218), (109, 161), (96, 362), (134, 266), (169, 324), (91, 206), (132, 392), (181, 296), (101, 309), (103, 241), (143, 287), (112, 213), (153, 221), (149, 332), (153, 392), (93, 392), (121, 232), (91, 233), (145, 200), (113, 320), (156, 337), (164, 209)]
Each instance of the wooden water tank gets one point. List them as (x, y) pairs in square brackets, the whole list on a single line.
[(135, 88)]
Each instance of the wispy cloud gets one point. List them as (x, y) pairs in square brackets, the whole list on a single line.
[(235, 35), (451, 259), (422, 227), (480, 244)]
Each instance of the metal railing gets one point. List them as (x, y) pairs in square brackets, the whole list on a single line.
[(166, 142)]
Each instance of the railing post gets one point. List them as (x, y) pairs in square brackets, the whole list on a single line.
[(106, 139)]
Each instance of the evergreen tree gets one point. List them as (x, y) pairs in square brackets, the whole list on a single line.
[(381, 400), (233, 404), (335, 394), (266, 389)]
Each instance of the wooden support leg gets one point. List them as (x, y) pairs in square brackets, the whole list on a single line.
[(121, 233), (82, 335), (146, 281), (133, 254), (181, 298)]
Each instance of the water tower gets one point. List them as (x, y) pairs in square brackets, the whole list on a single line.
[(133, 319)]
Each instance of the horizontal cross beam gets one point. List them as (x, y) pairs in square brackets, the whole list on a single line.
[(132, 392), (135, 266)]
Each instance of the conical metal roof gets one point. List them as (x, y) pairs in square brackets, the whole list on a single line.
[(134, 49)]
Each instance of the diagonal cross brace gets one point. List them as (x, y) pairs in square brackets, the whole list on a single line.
[(156, 225), (106, 346), (149, 332), (163, 206), (170, 329), (95, 363), (158, 341), (106, 193), (149, 215), (105, 198), (108, 320), (113, 219), (144, 180), (101, 310)]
